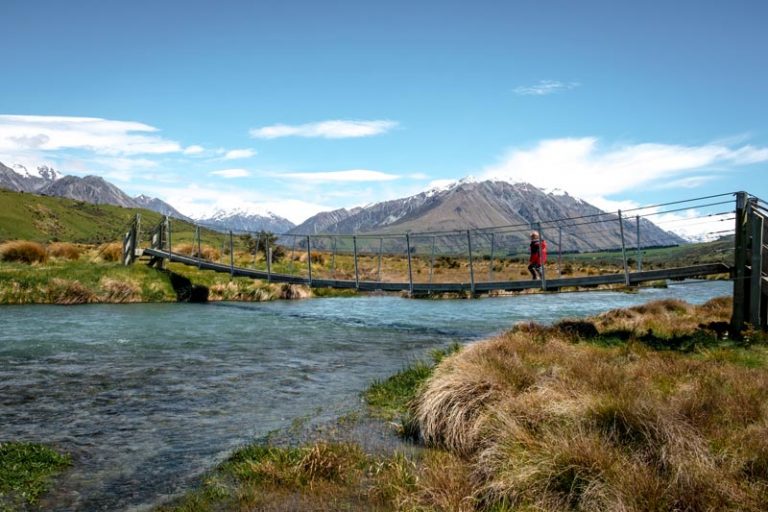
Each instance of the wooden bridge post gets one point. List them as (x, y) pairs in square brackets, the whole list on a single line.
[(623, 250), (756, 272), (354, 254), (309, 259), (381, 249), (637, 242), (740, 295), (268, 252), (410, 270), (471, 267)]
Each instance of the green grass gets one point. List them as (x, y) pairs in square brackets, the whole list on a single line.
[(25, 472), (389, 398), (43, 219)]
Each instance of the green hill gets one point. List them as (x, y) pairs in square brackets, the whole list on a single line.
[(46, 219)]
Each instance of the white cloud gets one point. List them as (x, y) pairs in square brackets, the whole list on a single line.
[(236, 154), (335, 129), (545, 87), (356, 175), (19, 133), (586, 170), (193, 150), (232, 173)]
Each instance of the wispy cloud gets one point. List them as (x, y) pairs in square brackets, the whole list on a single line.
[(101, 136), (335, 129), (353, 175), (232, 173), (585, 169), (545, 87), (194, 150), (236, 154)]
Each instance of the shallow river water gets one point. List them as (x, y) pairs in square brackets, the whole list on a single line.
[(148, 396)]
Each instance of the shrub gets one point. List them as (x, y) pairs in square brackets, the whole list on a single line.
[(22, 251), (64, 250), (111, 252)]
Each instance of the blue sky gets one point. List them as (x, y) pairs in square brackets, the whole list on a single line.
[(303, 106)]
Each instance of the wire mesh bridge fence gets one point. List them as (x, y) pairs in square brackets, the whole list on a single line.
[(628, 247)]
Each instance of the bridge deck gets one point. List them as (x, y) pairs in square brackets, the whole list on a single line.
[(551, 284)]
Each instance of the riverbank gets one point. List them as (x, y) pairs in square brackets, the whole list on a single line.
[(95, 276), (68, 274), (644, 408)]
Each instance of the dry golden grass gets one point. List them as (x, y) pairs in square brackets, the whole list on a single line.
[(64, 250), (547, 423), (119, 291), (65, 291), (207, 252), (22, 251), (112, 252)]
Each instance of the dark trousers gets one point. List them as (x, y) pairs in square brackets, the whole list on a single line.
[(535, 270)]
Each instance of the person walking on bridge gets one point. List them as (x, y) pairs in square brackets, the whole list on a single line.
[(538, 255)]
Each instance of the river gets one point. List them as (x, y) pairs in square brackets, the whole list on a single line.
[(146, 397)]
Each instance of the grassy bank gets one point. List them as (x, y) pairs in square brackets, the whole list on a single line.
[(645, 408), (60, 273), (25, 473)]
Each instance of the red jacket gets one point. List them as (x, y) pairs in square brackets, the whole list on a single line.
[(538, 254)]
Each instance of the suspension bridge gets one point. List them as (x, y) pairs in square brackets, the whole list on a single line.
[(613, 248)]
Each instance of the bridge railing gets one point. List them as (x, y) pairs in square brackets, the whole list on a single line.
[(623, 242)]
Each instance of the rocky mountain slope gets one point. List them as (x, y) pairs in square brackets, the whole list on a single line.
[(470, 205)]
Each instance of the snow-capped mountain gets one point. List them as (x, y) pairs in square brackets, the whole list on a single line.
[(90, 189), (470, 203), (246, 220), (19, 178)]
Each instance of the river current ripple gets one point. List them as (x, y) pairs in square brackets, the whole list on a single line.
[(147, 397)]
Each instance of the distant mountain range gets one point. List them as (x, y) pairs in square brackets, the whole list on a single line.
[(470, 204), (467, 204)]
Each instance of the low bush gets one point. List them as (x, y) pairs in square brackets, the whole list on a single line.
[(64, 250), (111, 252), (22, 251)]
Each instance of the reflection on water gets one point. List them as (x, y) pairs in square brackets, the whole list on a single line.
[(148, 396)]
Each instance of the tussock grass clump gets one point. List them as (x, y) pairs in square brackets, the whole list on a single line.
[(112, 252), (206, 251), (22, 251), (64, 250), (119, 291), (545, 423), (65, 291)]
